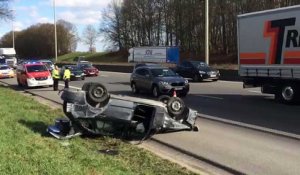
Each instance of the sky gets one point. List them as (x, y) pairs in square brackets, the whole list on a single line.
[(79, 12)]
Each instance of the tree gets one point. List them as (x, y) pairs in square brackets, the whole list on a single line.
[(72, 34), (5, 12), (90, 37)]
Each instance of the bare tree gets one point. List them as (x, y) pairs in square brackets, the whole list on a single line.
[(90, 37), (5, 12), (72, 35)]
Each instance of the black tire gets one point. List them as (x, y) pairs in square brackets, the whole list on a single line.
[(215, 79), (164, 99), (155, 91), (176, 106), (134, 89), (83, 78), (197, 78), (287, 94), (97, 93)]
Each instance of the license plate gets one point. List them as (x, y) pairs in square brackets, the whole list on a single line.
[(77, 76), (69, 106), (180, 88), (213, 76), (92, 72)]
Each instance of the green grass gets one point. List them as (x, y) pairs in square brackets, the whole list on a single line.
[(25, 147), (99, 57)]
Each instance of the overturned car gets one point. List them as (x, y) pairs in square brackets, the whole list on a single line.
[(93, 111)]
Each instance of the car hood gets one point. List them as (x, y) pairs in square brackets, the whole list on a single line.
[(39, 74), (171, 79), (77, 72)]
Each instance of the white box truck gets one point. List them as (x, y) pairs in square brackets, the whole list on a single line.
[(269, 51), (8, 56), (154, 54)]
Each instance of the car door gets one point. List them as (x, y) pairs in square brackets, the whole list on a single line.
[(189, 70), (137, 77), (185, 69), (147, 80)]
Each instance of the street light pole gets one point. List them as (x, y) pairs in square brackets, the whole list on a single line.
[(13, 34), (206, 32), (55, 33)]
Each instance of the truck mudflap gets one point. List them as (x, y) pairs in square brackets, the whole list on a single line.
[(130, 118)]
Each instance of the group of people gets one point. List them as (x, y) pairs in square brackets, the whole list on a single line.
[(56, 77)]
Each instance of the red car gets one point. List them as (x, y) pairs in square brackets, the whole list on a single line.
[(88, 69)]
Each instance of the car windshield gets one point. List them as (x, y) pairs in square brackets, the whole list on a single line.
[(86, 65), (36, 68), (163, 72), (4, 67), (199, 64), (73, 68)]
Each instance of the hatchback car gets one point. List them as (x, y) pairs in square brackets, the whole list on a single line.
[(197, 70), (31, 75), (6, 71), (76, 73), (158, 80)]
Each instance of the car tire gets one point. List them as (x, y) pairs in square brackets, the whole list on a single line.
[(134, 89), (215, 79), (287, 94), (97, 93), (83, 78), (155, 91), (197, 78), (164, 99), (176, 107)]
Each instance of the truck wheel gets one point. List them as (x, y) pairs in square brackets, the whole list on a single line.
[(287, 94)]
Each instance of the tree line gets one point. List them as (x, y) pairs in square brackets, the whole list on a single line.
[(179, 23)]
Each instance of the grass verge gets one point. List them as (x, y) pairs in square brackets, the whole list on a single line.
[(25, 148)]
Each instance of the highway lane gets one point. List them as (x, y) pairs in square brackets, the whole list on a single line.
[(246, 150)]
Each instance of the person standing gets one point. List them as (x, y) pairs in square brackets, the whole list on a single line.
[(55, 76), (67, 76)]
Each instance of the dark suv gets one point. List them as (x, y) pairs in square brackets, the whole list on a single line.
[(158, 80), (197, 70)]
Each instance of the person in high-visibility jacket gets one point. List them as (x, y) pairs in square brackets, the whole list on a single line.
[(55, 76), (67, 76)]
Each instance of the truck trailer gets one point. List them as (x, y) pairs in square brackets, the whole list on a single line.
[(8, 56), (269, 51), (154, 54)]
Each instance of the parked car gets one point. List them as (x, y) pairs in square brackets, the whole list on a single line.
[(33, 74), (76, 73), (6, 71), (158, 80), (93, 111), (88, 68), (197, 70)]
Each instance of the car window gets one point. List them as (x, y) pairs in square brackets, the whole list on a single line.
[(185, 64), (163, 72), (140, 72), (36, 68)]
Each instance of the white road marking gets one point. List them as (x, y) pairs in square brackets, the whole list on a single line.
[(103, 75), (115, 72), (234, 82), (206, 96)]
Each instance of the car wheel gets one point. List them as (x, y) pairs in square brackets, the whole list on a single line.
[(164, 99), (155, 91), (176, 107), (97, 93), (287, 94), (215, 80), (134, 89), (196, 78), (83, 78)]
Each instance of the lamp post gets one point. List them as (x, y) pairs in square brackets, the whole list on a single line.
[(55, 33), (206, 32), (13, 30)]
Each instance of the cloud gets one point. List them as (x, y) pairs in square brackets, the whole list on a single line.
[(81, 17), (18, 26)]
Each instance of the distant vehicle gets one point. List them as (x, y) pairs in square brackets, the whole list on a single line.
[(197, 70), (88, 68), (269, 52), (33, 74), (8, 56), (154, 54), (6, 72), (158, 80), (76, 73), (49, 64)]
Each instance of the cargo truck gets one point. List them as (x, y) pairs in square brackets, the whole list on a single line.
[(154, 54), (269, 51), (8, 56)]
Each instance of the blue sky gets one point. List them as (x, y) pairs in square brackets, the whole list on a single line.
[(79, 12)]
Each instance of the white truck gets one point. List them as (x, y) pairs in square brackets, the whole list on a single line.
[(269, 51), (8, 56), (154, 54)]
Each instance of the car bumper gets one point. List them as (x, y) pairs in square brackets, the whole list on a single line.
[(76, 77), (34, 83), (180, 90), (92, 73), (212, 77)]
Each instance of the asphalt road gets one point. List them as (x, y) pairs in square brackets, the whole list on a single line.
[(245, 150)]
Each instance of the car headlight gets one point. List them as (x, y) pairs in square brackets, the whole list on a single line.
[(31, 79), (202, 72), (186, 82), (164, 83)]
